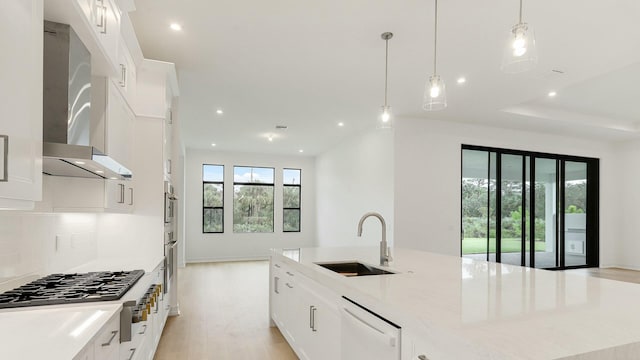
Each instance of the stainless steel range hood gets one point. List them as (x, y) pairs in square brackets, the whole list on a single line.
[(67, 148)]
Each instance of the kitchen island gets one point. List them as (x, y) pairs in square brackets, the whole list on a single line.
[(453, 308)]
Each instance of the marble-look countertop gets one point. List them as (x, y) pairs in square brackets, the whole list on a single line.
[(53, 333), (462, 308)]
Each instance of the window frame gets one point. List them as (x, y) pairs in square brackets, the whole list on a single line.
[(299, 208), (273, 188), (205, 208)]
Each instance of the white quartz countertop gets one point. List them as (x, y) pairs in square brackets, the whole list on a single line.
[(462, 308), (53, 333)]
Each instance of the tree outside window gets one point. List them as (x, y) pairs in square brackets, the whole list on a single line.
[(253, 206)]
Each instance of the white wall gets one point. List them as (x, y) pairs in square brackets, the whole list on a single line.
[(29, 246), (427, 180), (627, 203), (234, 246), (352, 179)]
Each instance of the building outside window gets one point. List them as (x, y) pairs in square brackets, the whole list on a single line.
[(253, 208), (212, 198), (291, 200)]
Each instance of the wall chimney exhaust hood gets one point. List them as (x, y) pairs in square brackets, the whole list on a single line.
[(67, 128)]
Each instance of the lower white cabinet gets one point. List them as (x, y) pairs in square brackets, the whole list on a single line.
[(106, 344), (306, 313)]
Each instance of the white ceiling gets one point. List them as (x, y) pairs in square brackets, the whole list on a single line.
[(312, 64)]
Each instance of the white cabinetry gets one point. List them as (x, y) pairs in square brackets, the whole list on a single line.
[(103, 18), (127, 75), (21, 89), (106, 344), (306, 313)]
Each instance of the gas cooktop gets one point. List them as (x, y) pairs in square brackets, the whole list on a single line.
[(71, 288)]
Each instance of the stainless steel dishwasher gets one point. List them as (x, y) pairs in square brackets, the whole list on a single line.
[(366, 335)]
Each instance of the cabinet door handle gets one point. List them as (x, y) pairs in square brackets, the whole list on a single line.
[(289, 286), (121, 186), (131, 193), (5, 162), (312, 317), (290, 274), (133, 351), (123, 75), (143, 330), (102, 24), (276, 265), (168, 166), (423, 357), (113, 335), (276, 279)]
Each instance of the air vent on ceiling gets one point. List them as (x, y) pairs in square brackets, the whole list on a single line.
[(281, 127)]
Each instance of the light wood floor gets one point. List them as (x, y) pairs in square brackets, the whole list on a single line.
[(224, 315), (224, 310)]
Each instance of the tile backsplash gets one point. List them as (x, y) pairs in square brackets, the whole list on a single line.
[(34, 244)]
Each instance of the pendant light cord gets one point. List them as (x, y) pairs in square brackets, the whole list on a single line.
[(520, 12), (386, 71), (435, 39)]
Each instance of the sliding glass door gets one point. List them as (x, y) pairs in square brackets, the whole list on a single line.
[(529, 209)]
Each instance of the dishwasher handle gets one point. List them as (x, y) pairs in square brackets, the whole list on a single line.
[(363, 324)]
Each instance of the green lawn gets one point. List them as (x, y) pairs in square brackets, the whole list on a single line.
[(479, 245)]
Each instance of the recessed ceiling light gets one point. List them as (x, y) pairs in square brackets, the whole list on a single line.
[(552, 93), (341, 124), (79, 162), (219, 112), (213, 144), (270, 138), (462, 80), (175, 27), (99, 172), (300, 150)]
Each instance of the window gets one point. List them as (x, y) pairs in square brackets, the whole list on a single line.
[(212, 198), (291, 200), (253, 199), (529, 209)]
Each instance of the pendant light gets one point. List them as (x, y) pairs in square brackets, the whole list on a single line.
[(435, 95), (385, 121), (520, 52)]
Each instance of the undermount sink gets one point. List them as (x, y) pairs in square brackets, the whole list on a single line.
[(354, 269)]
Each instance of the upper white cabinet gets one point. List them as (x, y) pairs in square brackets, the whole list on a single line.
[(21, 22), (126, 78), (156, 89), (97, 23)]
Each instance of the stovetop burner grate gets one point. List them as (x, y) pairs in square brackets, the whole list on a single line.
[(58, 289)]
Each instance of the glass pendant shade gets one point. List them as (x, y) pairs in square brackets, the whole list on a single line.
[(385, 120), (435, 94), (520, 53)]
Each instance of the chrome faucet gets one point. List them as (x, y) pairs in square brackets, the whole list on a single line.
[(385, 256)]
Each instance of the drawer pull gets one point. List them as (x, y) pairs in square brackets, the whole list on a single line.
[(276, 265), (290, 274), (143, 330), (289, 286), (5, 162), (113, 335), (423, 357)]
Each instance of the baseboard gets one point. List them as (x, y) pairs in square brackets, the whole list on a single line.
[(227, 259), (624, 267)]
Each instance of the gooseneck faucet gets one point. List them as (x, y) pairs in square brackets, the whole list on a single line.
[(384, 249)]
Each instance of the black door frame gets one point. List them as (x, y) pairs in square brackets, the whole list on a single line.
[(592, 201)]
